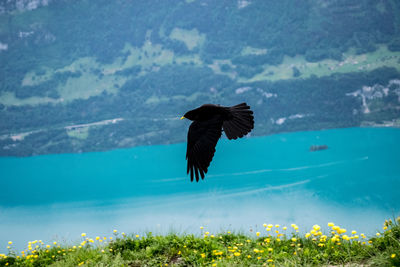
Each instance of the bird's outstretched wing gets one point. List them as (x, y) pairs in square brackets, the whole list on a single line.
[(202, 139)]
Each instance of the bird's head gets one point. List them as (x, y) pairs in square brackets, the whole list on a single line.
[(190, 115)]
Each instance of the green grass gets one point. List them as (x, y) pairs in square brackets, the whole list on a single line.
[(191, 38), (351, 62), (276, 246)]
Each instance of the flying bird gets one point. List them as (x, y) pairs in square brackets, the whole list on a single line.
[(204, 132)]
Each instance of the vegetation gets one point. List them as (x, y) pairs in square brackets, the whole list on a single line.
[(79, 62), (277, 246)]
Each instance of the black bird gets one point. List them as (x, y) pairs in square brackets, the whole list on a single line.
[(206, 129)]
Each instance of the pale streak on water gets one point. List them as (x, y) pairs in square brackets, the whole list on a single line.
[(353, 184)]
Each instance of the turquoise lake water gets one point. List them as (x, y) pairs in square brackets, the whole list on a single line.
[(273, 179)]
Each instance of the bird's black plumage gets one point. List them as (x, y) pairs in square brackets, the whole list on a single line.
[(206, 129)]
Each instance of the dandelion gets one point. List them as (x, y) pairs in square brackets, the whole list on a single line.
[(331, 224), (270, 249), (294, 239), (201, 227), (203, 255), (270, 260), (115, 231), (258, 234), (264, 225), (284, 228), (307, 235), (385, 227), (10, 242), (353, 232), (378, 234), (393, 256), (316, 227), (137, 236), (83, 234), (237, 254)]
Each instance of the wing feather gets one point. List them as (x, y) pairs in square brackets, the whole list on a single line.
[(202, 139)]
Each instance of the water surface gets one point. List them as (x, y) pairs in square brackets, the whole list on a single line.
[(274, 179)]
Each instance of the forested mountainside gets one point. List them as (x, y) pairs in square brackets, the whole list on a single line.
[(80, 75)]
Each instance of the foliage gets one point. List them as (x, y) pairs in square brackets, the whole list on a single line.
[(278, 246)]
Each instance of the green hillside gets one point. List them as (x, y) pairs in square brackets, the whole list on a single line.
[(95, 75)]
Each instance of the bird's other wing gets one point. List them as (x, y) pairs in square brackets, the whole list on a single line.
[(202, 139), (240, 123)]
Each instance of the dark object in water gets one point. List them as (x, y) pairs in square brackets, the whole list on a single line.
[(316, 148)]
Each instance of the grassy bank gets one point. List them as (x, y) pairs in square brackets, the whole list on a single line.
[(275, 246)]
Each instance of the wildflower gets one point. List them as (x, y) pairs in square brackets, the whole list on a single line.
[(316, 227), (248, 256), (97, 237), (47, 246), (201, 227), (284, 228), (10, 242), (270, 249), (393, 256), (378, 234), (331, 224), (258, 258), (270, 260), (385, 227), (258, 234), (294, 239), (353, 232), (203, 255), (256, 250), (83, 234), (264, 225), (356, 237), (237, 254), (137, 236), (342, 230), (55, 243), (268, 229), (115, 231)]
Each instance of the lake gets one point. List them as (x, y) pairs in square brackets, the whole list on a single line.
[(273, 179)]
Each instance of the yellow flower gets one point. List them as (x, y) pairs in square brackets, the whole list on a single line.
[(137, 236), (270, 249), (385, 227), (258, 234), (55, 243), (307, 235), (284, 228), (47, 246), (83, 235), (268, 229), (237, 254), (342, 230), (115, 231), (97, 237), (256, 250), (264, 225), (378, 234), (248, 256), (258, 258), (10, 242), (201, 227), (203, 255), (393, 256), (294, 239), (270, 260), (331, 224), (316, 227)]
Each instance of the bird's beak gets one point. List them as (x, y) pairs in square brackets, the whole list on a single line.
[(183, 117)]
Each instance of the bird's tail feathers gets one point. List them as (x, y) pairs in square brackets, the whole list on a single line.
[(241, 122)]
